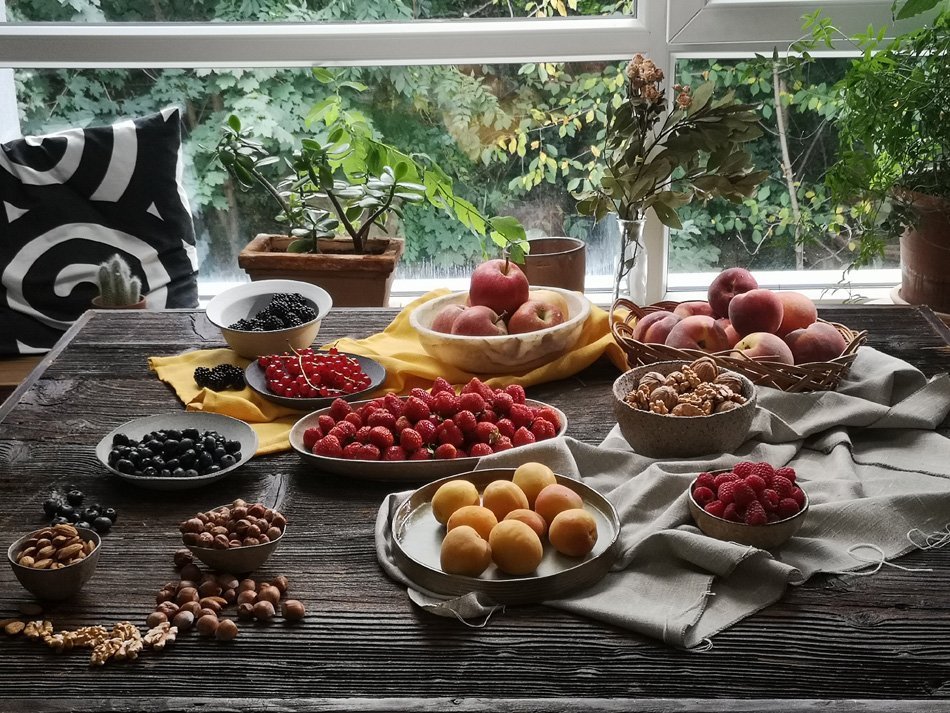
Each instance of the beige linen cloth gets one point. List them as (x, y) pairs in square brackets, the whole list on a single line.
[(866, 454)]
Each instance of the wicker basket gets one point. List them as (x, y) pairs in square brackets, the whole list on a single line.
[(816, 376)]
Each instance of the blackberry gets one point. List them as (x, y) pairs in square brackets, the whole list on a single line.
[(273, 322), (284, 310), (218, 378), (306, 313), (292, 320)]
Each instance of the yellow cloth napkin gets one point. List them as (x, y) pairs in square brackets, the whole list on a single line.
[(397, 348)]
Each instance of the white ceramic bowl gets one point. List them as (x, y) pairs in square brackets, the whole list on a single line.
[(502, 354), (248, 299)]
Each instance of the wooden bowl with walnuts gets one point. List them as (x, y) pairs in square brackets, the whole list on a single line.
[(680, 409)]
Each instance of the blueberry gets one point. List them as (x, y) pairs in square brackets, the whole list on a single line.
[(173, 434), (164, 473), (90, 514), (205, 460), (219, 453), (74, 497), (51, 507), (120, 439), (172, 463), (209, 443), (102, 524), (178, 472), (227, 461), (190, 433), (214, 469), (111, 513), (59, 520), (68, 512), (171, 447), (185, 445), (125, 466), (83, 523), (149, 472), (232, 446), (191, 473), (187, 459)]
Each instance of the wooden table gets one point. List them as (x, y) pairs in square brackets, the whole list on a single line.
[(878, 643)]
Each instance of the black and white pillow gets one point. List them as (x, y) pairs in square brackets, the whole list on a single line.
[(70, 200)]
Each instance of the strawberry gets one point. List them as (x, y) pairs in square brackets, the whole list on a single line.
[(448, 432), (480, 449), (488, 415), (353, 451), (506, 427), (543, 430), (502, 443), (394, 404), (362, 434), (472, 402), (415, 409), (402, 423), (522, 437), (394, 453), (426, 429), (440, 385), (381, 437), (330, 447), (355, 419), (420, 454), (501, 402), (466, 422), (381, 417), (410, 439), (369, 452), (548, 415), (516, 391), (446, 404), (446, 451), (422, 395), (486, 432), (326, 422)]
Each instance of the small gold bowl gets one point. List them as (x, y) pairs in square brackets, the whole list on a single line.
[(56, 584)]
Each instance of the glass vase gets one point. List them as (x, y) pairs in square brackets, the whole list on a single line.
[(630, 280)]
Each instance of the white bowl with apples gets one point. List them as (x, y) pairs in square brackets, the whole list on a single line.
[(502, 324)]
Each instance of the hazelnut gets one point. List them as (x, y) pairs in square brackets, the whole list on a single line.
[(184, 621), (239, 511), (207, 612), (238, 503), (207, 625), (256, 510), (155, 618), (227, 581), (263, 611), (221, 542), (190, 538), (193, 607), (183, 557), (273, 533), (186, 583), (269, 594), (229, 595), (252, 531), (210, 588), (234, 543), (293, 610), (282, 584), (263, 539), (210, 603), (164, 596), (247, 584), (279, 521), (191, 573), (245, 611), (268, 514), (246, 597), (187, 594), (169, 609), (192, 525), (250, 542), (227, 630), (205, 539), (219, 530)]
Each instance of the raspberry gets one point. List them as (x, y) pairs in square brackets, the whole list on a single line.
[(548, 415), (506, 427), (446, 403), (523, 437), (426, 430), (415, 409), (420, 454), (325, 422), (466, 421), (786, 508), (340, 434), (501, 402), (756, 482), (486, 432), (394, 453), (410, 439), (516, 391), (706, 480), (446, 450), (743, 469), (725, 478), (355, 419), (472, 402), (786, 472), (402, 423), (543, 429), (440, 385), (394, 404), (330, 447), (311, 436), (369, 452), (339, 408), (755, 514), (448, 432), (520, 415), (381, 417), (502, 443), (346, 428), (798, 495), (769, 499), (367, 409), (743, 494), (764, 471), (703, 495), (362, 434), (480, 449), (727, 492), (716, 508), (353, 451), (782, 486), (381, 437), (731, 513)]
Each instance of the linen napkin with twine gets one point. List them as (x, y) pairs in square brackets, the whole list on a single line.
[(397, 348), (867, 454)]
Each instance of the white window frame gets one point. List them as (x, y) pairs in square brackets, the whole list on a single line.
[(665, 30)]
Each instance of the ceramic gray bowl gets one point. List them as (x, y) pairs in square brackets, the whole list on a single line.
[(56, 584), (663, 436)]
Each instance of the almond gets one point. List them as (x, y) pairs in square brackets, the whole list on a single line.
[(69, 552)]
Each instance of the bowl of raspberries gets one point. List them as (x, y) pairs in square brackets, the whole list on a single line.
[(269, 316), (752, 504)]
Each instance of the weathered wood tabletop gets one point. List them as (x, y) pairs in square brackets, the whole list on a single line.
[(877, 643)]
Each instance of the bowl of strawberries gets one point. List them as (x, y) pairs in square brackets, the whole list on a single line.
[(752, 504)]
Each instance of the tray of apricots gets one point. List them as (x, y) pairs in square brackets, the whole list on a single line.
[(518, 535)]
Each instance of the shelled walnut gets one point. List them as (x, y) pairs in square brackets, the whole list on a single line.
[(697, 389)]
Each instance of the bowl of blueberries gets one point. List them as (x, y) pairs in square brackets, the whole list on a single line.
[(177, 451), (269, 316)]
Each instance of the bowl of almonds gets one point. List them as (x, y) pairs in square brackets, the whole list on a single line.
[(55, 562), (234, 538), (679, 410)]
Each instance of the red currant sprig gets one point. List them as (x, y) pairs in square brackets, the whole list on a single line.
[(309, 374)]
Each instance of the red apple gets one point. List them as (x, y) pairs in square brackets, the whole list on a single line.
[(726, 285), (697, 332), (818, 341), (654, 328), (688, 309), (534, 315), (764, 346), (500, 285), (552, 298), (479, 321), (797, 312), (446, 317), (757, 310)]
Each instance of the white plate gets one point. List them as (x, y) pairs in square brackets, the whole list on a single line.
[(231, 428), (405, 471)]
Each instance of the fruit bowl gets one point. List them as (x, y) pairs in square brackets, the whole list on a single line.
[(766, 537), (55, 584), (248, 299), (666, 436), (505, 353)]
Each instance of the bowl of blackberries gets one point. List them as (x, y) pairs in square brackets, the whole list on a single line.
[(269, 316), (177, 451)]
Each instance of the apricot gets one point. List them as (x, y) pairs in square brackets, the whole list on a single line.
[(451, 496), (479, 518), (573, 532), (554, 499), (531, 478), (503, 496), (464, 552), (515, 547), (529, 518)]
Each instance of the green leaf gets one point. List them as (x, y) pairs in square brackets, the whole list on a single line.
[(667, 215), (323, 75), (235, 123), (915, 7), (304, 245)]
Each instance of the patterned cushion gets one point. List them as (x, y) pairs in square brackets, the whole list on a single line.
[(70, 200)]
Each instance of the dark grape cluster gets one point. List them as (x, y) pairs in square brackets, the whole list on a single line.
[(284, 310), (69, 508), (171, 453), (220, 377)]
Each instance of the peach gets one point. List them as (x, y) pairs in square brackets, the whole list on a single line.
[(653, 328), (515, 547), (732, 336), (554, 499), (797, 312), (451, 496), (698, 332), (464, 552), (758, 310), (726, 285), (503, 496), (529, 518), (573, 532), (764, 346), (531, 478), (816, 342), (479, 518), (688, 309)]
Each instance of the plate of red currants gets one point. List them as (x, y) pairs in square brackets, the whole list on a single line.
[(309, 379)]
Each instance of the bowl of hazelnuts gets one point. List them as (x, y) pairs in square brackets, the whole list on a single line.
[(234, 538), (674, 409)]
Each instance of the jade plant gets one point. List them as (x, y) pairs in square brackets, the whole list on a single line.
[(117, 285)]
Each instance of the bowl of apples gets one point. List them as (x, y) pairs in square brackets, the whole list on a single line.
[(502, 325)]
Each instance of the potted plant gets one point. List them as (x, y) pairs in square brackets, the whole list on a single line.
[(339, 194), (894, 162), (118, 287), (659, 158)]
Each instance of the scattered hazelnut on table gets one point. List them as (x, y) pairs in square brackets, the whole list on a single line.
[(264, 611), (207, 625), (227, 630), (292, 610)]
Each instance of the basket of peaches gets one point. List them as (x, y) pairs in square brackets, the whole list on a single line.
[(774, 338), (501, 324)]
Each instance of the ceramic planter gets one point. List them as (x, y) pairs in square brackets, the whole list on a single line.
[(925, 253), (352, 280)]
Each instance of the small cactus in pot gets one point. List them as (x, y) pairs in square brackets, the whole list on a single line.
[(118, 287)]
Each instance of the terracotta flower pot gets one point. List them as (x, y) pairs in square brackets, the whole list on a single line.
[(98, 304), (925, 253), (556, 262)]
